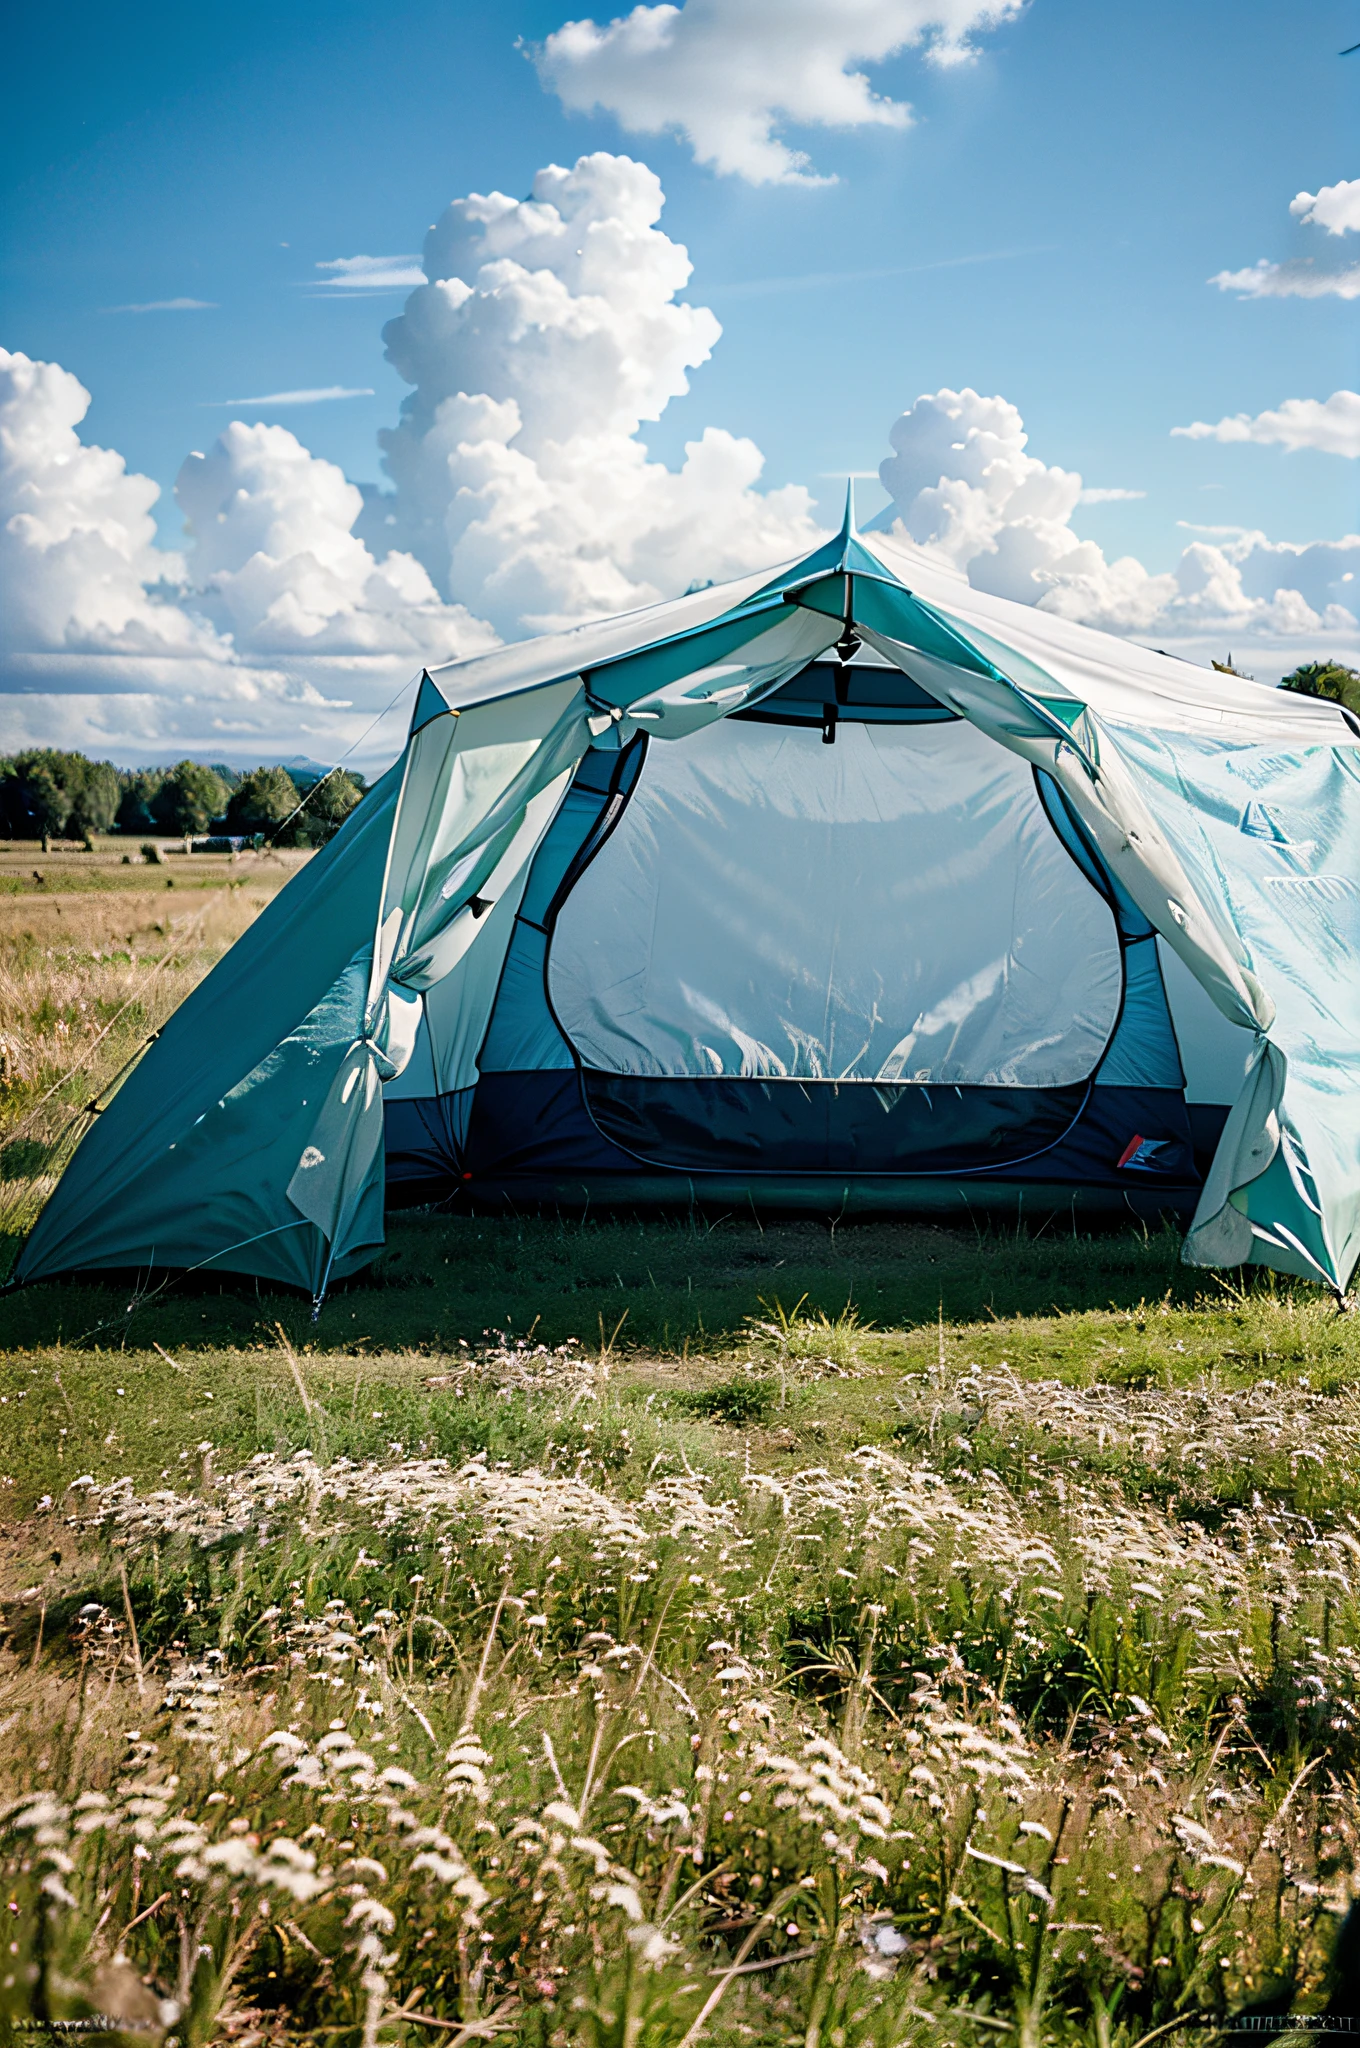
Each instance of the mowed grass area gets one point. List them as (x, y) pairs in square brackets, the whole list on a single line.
[(627, 1633)]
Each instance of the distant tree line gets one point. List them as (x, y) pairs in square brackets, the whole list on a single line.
[(47, 794)]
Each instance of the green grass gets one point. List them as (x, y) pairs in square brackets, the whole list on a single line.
[(875, 1636), (676, 1302)]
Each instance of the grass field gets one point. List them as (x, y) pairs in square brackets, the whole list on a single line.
[(96, 949), (629, 1634)]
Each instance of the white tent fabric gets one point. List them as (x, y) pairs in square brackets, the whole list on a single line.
[(1159, 753), (897, 908), (1120, 680), (1214, 1053)]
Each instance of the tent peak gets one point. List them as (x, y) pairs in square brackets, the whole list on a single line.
[(849, 531), (844, 554), (430, 703)]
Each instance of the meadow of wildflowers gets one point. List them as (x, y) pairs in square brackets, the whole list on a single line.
[(1034, 1714)]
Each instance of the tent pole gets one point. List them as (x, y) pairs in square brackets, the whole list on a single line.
[(318, 1299)]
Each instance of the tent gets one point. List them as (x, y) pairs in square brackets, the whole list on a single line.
[(840, 888)]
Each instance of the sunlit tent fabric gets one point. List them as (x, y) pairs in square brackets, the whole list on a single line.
[(840, 888)]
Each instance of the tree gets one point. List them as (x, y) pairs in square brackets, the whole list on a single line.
[(135, 814), (262, 801), (326, 806), (188, 800), (45, 793), (93, 789), (45, 802), (1329, 679)]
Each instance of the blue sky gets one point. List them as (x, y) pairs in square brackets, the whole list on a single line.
[(1044, 231)]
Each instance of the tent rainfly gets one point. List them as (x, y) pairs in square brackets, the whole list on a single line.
[(843, 887)]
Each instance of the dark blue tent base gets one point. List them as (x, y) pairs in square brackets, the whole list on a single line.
[(557, 1139), (772, 1196)]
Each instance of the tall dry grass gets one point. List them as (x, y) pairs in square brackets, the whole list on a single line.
[(87, 974)]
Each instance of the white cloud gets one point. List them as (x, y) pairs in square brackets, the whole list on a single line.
[(276, 564), (318, 396), (81, 572), (168, 306), (275, 628), (373, 273), (543, 336), (728, 73), (1335, 207), (1330, 424), (1097, 495), (1299, 278), (549, 330), (964, 485)]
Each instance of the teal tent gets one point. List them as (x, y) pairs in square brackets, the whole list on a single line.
[(841, 888)]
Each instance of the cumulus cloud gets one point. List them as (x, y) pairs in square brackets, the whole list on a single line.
[(1330, 424), (548, 331), (276, 564), (964, 485), (275, 625), (81, 571), (1299, 278), (542, 335), (1335, 207), (727, 74)]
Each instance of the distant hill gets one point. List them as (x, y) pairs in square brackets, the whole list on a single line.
[(305, 772)]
